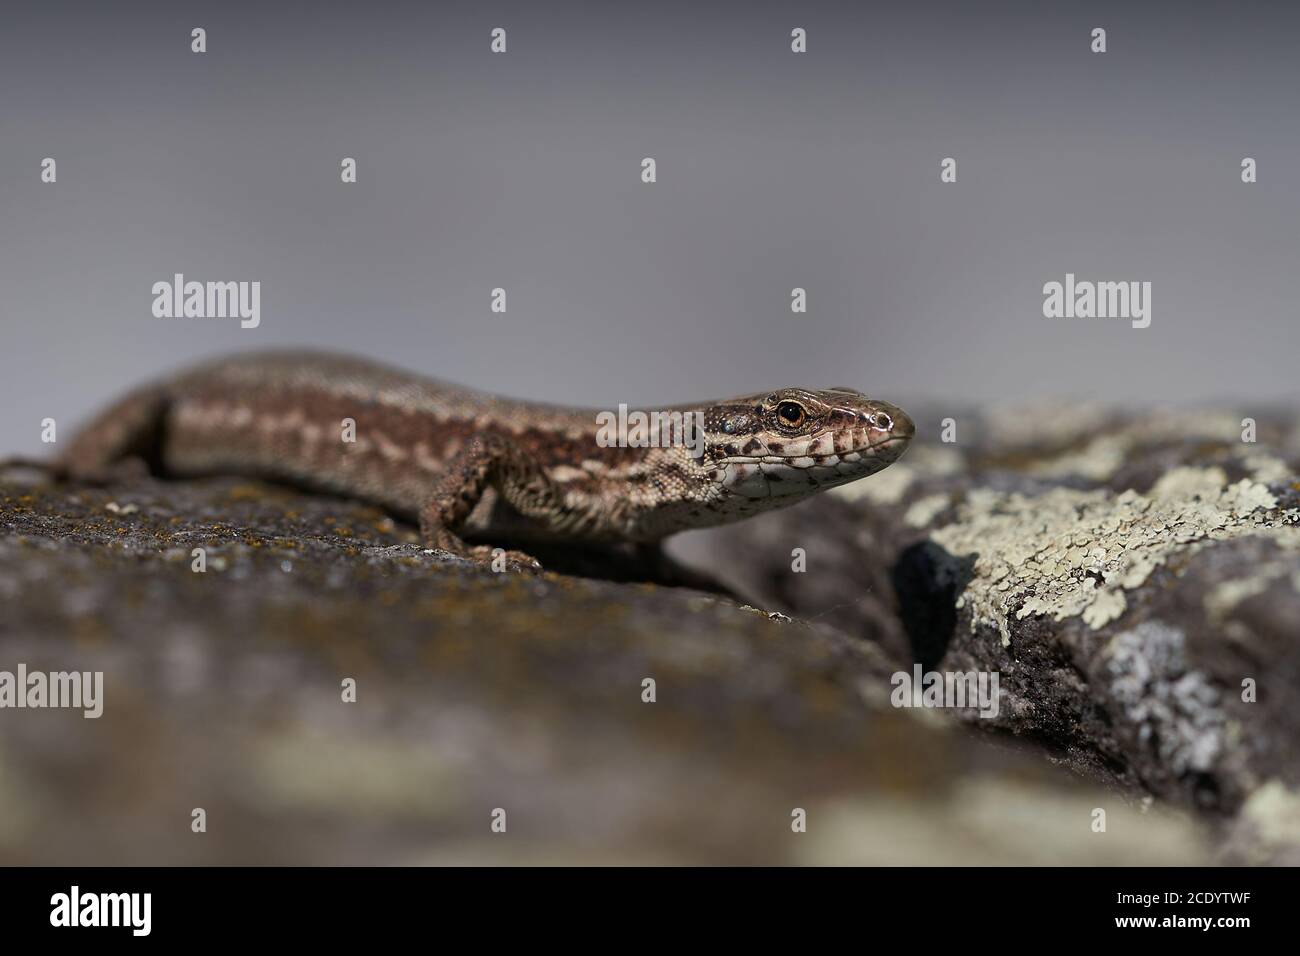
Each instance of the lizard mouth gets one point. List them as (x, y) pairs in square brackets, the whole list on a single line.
[(893, 441), (831, 455), (780, 476)]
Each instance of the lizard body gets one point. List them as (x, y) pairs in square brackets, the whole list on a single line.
[(464, 462)]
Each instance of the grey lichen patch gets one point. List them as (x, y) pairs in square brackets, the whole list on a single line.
[(1072, 553), (1174, 708)]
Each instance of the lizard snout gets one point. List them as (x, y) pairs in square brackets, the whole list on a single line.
[(891, 422)]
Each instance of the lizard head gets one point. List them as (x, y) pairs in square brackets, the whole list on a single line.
[(794, 441)]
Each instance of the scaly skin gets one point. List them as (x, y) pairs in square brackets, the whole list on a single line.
[(467, 463)]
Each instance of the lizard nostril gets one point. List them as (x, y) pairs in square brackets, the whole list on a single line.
[(883, 421)]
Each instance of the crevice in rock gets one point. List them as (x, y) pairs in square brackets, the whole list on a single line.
[(927, 580)]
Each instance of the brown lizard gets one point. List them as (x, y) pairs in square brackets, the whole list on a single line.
[(465, 463)]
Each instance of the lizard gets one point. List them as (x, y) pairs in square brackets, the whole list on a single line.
[(469, 464)]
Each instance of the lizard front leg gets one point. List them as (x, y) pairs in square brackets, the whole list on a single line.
[(488, 460)]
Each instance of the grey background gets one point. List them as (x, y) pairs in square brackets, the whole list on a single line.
[(775, 170)]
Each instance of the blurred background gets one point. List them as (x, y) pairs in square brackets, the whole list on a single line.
[(775, 170)]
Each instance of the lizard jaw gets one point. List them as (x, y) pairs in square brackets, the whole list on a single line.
[(779, 476)]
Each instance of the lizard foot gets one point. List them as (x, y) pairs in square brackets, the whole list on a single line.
[(499, 559), (484, 556)]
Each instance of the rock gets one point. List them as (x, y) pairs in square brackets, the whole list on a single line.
[(481, 697), (1136, 586)]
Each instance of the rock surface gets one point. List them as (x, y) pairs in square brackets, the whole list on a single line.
[(1136, 586), (477, 693)]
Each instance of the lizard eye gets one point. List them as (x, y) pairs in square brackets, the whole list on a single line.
[(790, 414)]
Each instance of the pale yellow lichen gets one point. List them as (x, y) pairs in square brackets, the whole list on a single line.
[(885, 488), (1098, 460), (996, 822), (1226, 595), (1068, 553), (889, 486), (1249, 495), (1267, 468), (1105, 607), (939, 460), (1190, 482), (1057, 423), (1274, 812), (924, 510), (1043, 423), (1097, 453)]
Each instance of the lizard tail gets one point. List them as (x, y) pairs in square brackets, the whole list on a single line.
[(131, 427), (52, 467)]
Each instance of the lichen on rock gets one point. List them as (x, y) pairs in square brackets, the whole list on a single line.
[(1072, 553), (1174, 708)]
